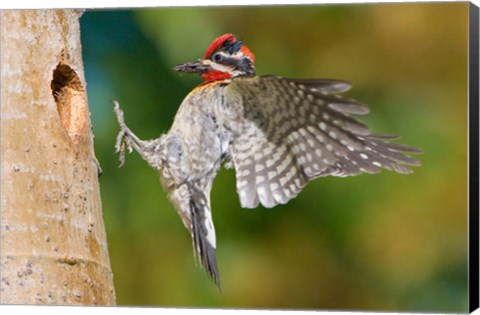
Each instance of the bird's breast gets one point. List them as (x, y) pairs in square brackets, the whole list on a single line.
[(198, 131)]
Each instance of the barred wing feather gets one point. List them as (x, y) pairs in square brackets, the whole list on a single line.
[(294, 131)]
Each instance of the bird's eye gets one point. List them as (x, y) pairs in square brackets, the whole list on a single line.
[(217, 57)]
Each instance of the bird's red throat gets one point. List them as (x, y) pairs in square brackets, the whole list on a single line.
[(215, 75)]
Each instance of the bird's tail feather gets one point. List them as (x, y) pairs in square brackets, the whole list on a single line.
[(203, 233)]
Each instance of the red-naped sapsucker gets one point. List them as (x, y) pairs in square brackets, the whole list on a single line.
[(278, 134)]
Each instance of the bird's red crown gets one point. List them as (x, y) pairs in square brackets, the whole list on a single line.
[(226, 57), (227, 43), (228, 38)]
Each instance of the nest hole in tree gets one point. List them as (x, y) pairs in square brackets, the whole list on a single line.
[(69, 95)]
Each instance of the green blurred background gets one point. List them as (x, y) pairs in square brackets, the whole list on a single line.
[(372, 242)]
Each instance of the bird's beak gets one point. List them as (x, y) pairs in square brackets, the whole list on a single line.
[(192, 67)]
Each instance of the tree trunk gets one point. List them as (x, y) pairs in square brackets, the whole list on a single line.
[(53, 240)]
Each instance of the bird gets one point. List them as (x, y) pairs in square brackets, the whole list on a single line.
[(277, 133)]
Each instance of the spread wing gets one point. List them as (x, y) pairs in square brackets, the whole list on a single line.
[(291, 131)]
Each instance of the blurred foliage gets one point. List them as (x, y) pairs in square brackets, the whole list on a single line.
[(372, 242)]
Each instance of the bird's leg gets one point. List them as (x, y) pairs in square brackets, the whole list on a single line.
[(126, 140)]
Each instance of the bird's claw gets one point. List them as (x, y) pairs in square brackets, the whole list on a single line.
[(121, 146), (123, 141)]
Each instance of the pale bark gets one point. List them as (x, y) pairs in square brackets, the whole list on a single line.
[(53, 240)]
